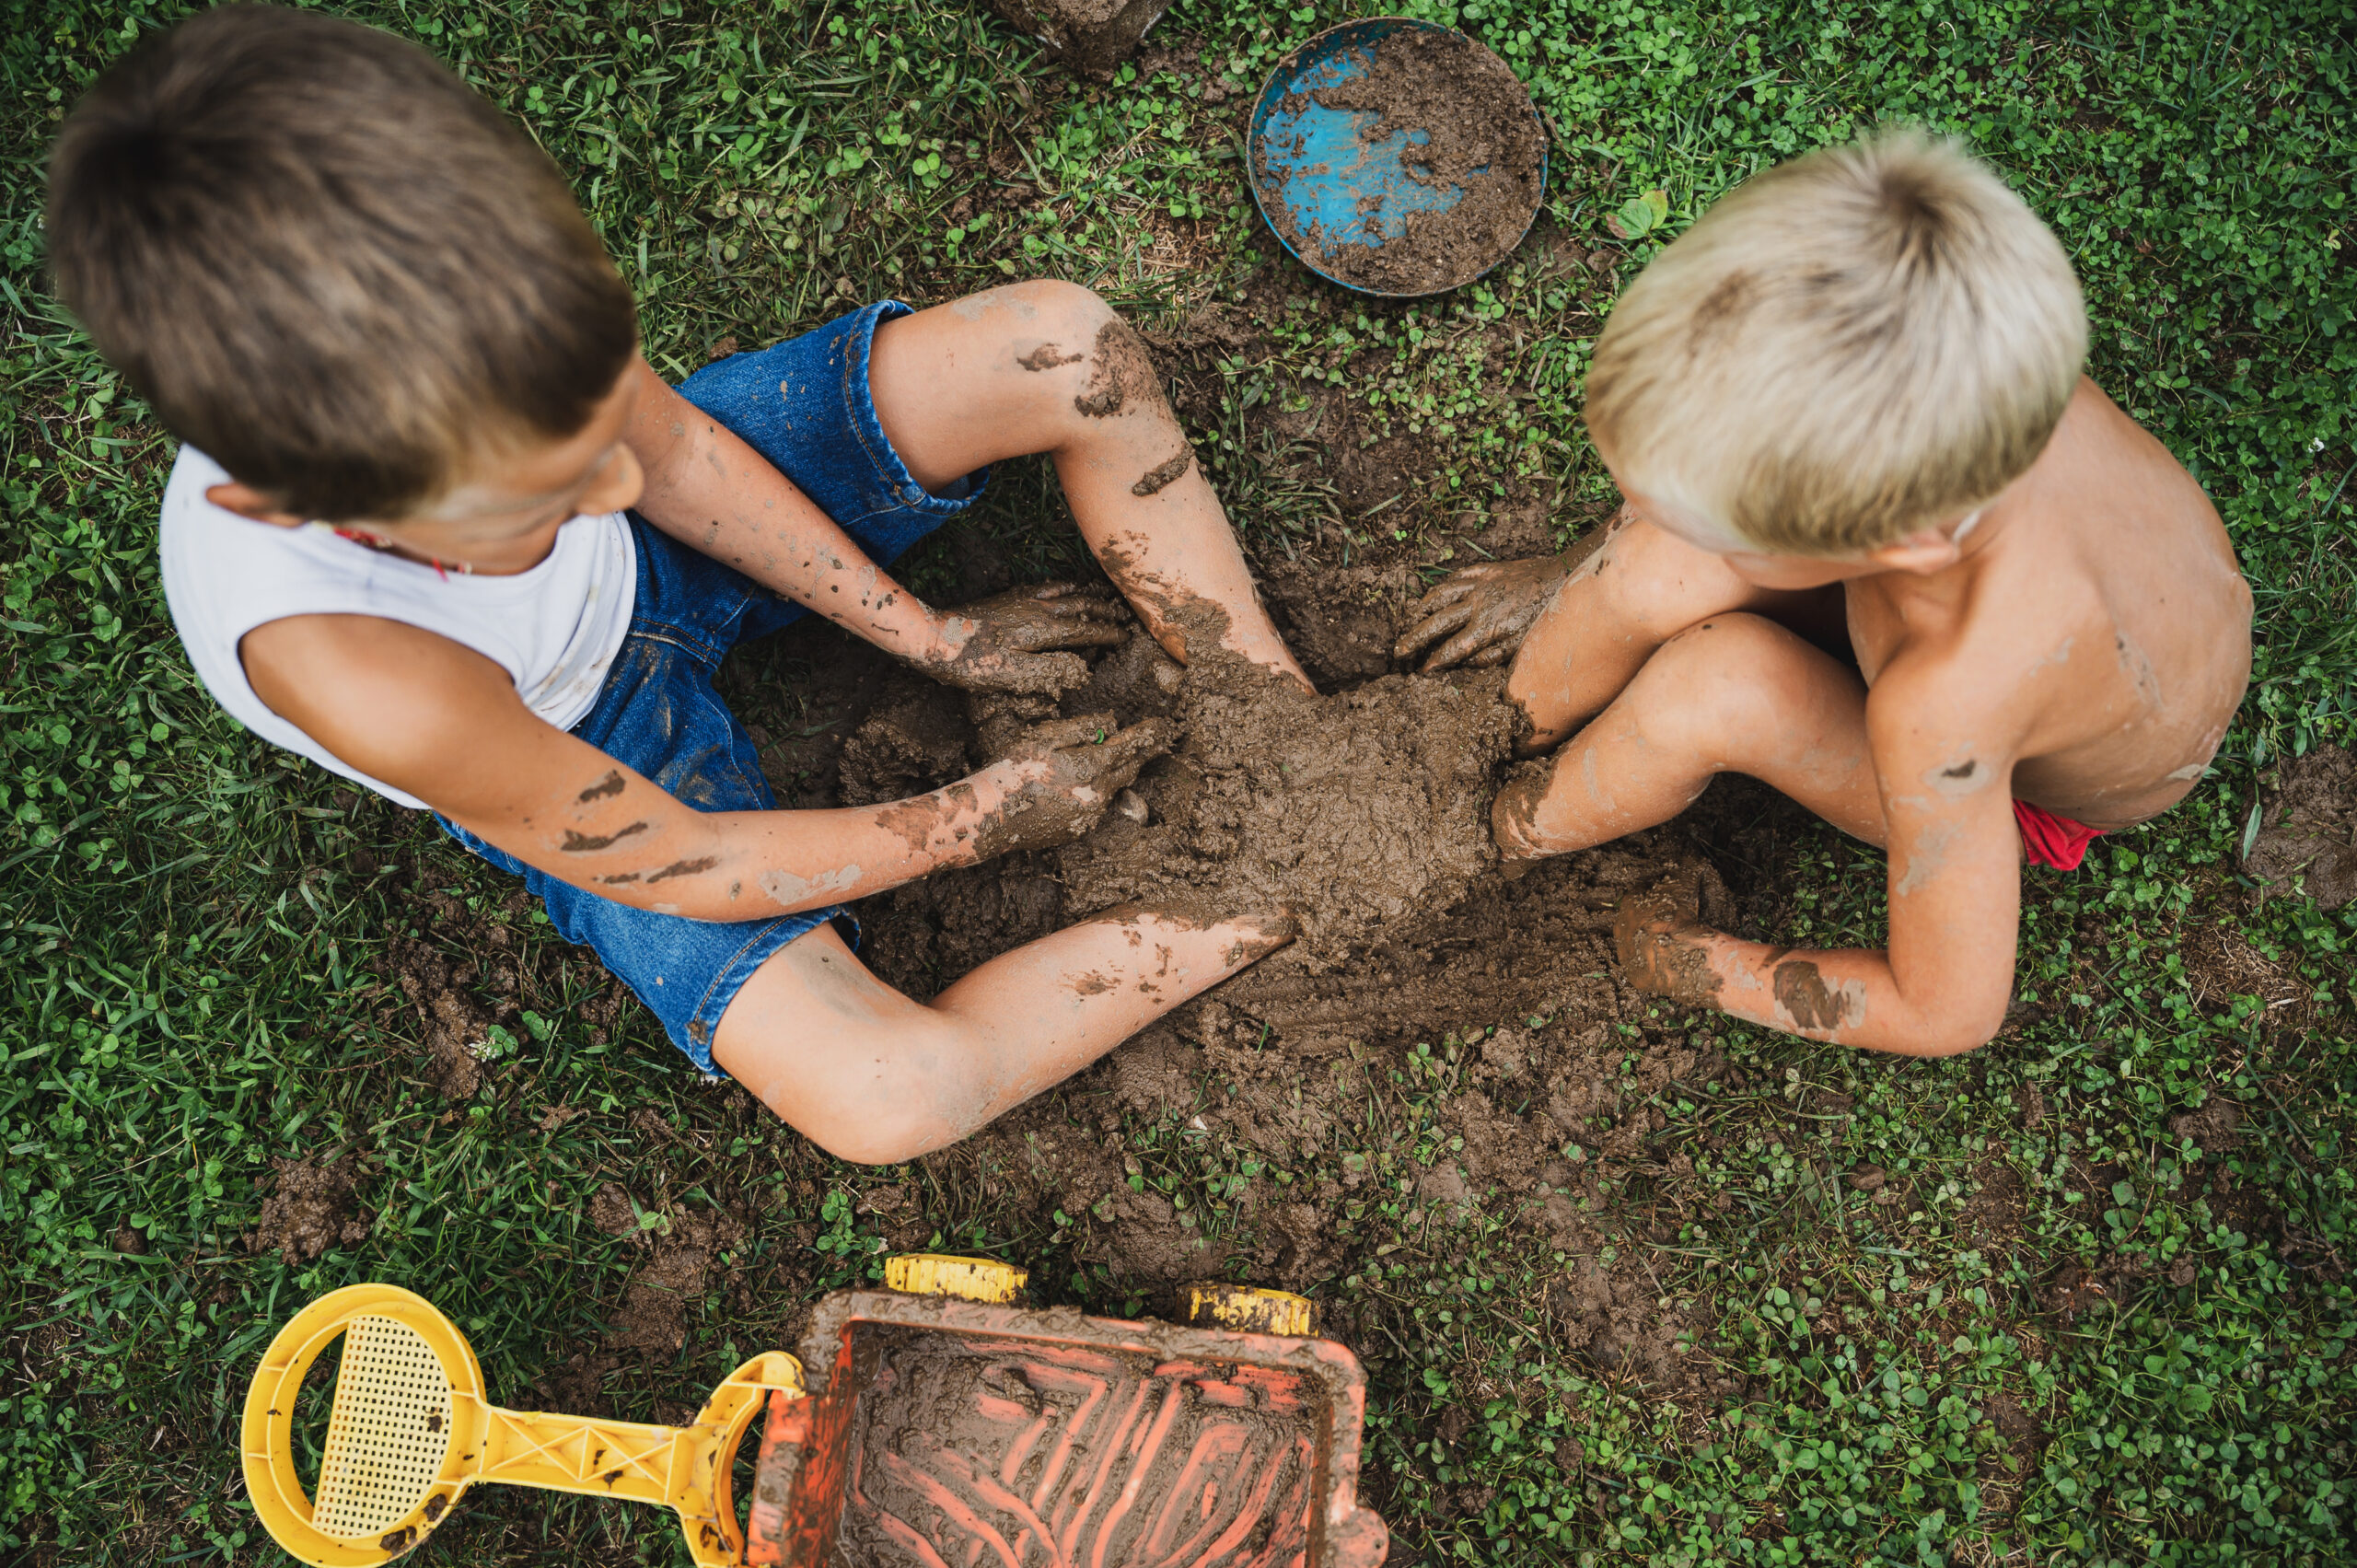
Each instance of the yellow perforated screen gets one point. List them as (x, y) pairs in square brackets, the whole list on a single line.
[(388, 1431)]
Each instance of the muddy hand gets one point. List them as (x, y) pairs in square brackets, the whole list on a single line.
[(1071, 768), (1014, 641), (1660, 944), (1477, 617)]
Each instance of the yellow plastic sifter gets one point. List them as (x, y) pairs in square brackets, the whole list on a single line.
[(409, 1431)]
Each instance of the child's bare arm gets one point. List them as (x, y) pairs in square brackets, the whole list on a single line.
[(445, 724), (708, 489), (1954, 883)]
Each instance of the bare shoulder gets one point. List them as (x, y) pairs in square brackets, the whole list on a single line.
[(2115, 617), (1944, 701), (392, 699), (2126, 531), (2113, 487)]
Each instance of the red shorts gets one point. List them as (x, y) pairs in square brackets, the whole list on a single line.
[(2053, 841)]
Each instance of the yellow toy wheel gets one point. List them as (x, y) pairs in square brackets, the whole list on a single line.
[(1250, 1309), (968, 1279)]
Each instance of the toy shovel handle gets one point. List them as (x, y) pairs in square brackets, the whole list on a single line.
[(685, 1468)]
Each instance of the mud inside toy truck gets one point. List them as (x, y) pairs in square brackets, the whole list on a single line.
[(953, 1435)]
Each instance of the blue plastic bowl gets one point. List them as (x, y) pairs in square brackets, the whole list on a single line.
[(1329, 172)]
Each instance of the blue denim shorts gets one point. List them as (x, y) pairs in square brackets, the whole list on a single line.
[(804, 406)]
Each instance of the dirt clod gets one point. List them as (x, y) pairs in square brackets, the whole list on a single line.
[(1358, 811), (2216, 1128), (611, 1212), (453, 1016), (309, 1210), (1090, 38), (914, 740)]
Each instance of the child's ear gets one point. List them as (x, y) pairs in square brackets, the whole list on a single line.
[(247, 501), (1925, 551)]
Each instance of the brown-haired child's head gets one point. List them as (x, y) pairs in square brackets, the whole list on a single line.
[(1850, 348), (327, 263)]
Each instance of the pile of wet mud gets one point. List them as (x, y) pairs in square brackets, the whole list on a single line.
[(1362, 813), (1481, 137), (1357, 812)]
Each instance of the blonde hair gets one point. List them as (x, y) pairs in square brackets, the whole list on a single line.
[(1850, 347)]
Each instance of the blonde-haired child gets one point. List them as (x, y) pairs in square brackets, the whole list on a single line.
[(1845, 410)]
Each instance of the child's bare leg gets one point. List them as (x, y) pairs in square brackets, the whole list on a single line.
[(1643, 587), (870, 1075), (1737, 693), (1047, 366)]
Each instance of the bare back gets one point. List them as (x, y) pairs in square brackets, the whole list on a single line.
[(2107, 613)]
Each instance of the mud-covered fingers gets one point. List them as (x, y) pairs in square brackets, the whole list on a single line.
[(1065, 631), (1457, 586), (1660, 944), (1062, 735), (1485, 636), (1436, 626), (1137, 746), (1030, 672), (1259, 935)]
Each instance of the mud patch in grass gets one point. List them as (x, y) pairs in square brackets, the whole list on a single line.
[(310, 1209), (2308, 835)]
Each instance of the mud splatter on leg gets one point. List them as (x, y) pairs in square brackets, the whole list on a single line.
[(1118, 372), (1162, 475)]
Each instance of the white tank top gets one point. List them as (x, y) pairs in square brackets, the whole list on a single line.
[(554, 628)]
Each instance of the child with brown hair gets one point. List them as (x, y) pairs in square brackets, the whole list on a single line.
[(1885, 547), (439, 526)]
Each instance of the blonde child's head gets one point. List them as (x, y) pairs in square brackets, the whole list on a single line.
[(1851, 348)]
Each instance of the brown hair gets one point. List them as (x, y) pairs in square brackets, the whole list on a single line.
[(327, 263), (1859, 343)]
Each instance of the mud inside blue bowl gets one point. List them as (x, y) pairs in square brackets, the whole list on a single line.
[(1397, 157)]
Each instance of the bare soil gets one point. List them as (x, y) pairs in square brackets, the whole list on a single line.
[(1375, 800), (666, 1290), (2308, 828)]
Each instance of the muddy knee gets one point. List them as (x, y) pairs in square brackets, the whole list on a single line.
[(1087, 364)]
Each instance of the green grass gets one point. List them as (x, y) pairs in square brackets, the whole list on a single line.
[(198, 936)]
